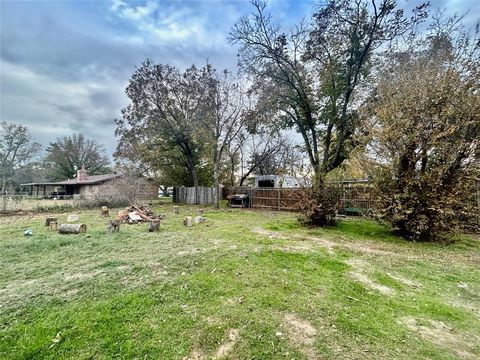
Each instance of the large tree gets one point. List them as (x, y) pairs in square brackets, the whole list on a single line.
[(311, 77), (17, 149), (222, 119), (69, 153), (426, 127), (268, 153), (162, 120)]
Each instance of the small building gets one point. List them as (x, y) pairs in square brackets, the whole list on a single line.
[(278, 181), (86, 186)]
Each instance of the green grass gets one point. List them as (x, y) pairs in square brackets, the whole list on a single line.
[(355, 290)]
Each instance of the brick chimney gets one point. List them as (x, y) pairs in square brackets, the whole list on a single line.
[(82, 174)]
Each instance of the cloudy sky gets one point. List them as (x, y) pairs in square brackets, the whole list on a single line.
[(64, 65)]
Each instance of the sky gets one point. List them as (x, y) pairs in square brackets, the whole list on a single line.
[(64, 65)]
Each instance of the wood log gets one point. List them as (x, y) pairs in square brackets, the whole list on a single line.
[(113, 226), (105, 212), (142, 214), (72, 228), (200, 211), (48, 220), (187, 221), (199, 219), (175, 210), (53, 225), (154, 226)]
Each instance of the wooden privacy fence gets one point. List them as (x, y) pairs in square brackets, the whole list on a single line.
[(193, 195), (355, 199)]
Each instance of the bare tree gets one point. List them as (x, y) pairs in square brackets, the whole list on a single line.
[(310, 76), (223, 119), (16, 149)]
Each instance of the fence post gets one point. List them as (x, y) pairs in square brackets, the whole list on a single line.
[(278, 198)]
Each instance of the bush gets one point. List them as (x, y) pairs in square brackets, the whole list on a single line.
[(55, 208), (319, 206), (426, 126), (112, 201), (423, 209)]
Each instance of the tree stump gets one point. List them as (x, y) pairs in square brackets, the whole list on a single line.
[(187, 221), (105, 211), (72, 228), (53, 225), (200, 211), (113, 226), (49, 220), (175, 210), (154, 226)]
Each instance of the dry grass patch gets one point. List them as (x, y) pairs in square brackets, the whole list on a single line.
[(361, 269), (301, 335), (445, 336), (227, 346)]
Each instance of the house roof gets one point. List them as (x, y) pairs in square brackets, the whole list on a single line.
[(91, 179)]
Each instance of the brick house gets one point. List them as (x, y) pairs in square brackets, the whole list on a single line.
[(86, 186)]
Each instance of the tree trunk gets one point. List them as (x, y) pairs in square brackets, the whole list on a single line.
[(48, 220), (216, 175), (72, 228), (4, 193), (191, 165), (193, 173), (154, 226), (4, 182)]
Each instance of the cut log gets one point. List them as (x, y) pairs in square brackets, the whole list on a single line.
[(105, 212), (175, 210), (200, 211), (72, 228), (134, 216), (53, 225), (113, 226), (199, 219), (187, 221), (49, 220), (141, 213), (154, 226)]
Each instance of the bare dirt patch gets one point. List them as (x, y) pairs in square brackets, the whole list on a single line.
[(195, 354), (318, 241), (301, 334), (83, 276), (365, 280), (268, 233), (307, 242), (443, 335), (405, 281), (373, 248), (473, 308), (227, 346), (360, 274)]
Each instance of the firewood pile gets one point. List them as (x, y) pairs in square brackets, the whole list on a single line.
[(136, 213)]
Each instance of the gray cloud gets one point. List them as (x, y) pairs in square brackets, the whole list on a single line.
[(64, 65)]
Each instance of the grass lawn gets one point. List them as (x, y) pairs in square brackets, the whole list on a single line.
[(245, 284)]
